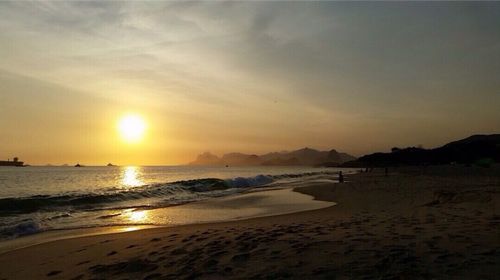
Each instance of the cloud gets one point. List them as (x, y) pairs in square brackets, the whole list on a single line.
[(369, 63)]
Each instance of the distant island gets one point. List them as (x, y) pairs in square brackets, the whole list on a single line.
[(305, 157), (481, 150)]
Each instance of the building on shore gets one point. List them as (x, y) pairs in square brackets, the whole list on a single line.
[(14, 162)]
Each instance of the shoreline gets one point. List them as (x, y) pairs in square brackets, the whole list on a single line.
[(188, 214), (411, 224), (28, 214)]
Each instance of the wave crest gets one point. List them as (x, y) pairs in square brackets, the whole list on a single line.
[(164, 194)]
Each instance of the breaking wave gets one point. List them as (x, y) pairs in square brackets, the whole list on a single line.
[(21, 229), (155, 195)]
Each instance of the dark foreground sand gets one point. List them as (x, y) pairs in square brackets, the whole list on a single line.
[(436, 223)]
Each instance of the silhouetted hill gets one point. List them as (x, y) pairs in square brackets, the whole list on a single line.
[(207, 159), (305, 156), (469, 150), (241, 159)]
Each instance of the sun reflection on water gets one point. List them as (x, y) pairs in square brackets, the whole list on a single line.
[(131, 229), (138, 217), (131, 176)]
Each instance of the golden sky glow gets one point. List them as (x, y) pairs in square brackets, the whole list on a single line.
[(252, 77)]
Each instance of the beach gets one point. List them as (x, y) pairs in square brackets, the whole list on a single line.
[(433, 222), (300, 140)]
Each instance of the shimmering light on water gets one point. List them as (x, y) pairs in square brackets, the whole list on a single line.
[(131, 229), (138, 216), (135, 216), (132, 176), (108, 191)]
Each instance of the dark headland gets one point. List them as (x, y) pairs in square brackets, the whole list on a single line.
[(482, 150)]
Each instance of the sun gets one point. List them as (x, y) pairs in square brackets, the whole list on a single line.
[(132, 128)]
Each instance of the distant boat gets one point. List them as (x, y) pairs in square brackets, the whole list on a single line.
[(78, 165), (15, 162), (110, 164)]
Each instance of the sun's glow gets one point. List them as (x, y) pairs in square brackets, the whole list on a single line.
[(137, 216), (132, 128)]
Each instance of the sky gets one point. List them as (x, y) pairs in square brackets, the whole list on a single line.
[(251, 77)]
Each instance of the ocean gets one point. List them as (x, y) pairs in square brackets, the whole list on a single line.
[(38, 199)]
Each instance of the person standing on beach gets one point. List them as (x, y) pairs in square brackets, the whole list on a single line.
[(341, 177)]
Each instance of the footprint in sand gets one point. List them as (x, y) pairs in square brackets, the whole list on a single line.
[(78, 277), (153, 276), (126, 267), (228, 269), (211, 264), (178, 251), (54, 272), (240, 257), (160, 259), (218, 253)]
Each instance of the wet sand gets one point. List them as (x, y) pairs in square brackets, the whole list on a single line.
[(259, 202), (415, 223)]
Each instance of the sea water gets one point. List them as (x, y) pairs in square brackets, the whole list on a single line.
[(35, 199)]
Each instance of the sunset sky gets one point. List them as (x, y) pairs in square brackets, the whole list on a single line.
[(251, 77)]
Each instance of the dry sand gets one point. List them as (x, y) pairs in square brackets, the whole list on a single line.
[(418, 223)]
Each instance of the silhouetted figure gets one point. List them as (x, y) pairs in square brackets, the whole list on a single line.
[(341, 177), (386, 171)]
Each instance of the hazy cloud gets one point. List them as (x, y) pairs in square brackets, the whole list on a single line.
[(368, 64)]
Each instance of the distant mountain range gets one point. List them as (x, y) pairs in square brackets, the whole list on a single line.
[(476, 149), (479, 149), (305, 156)]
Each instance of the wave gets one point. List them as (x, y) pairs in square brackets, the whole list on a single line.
[(256, 181), (156, 195), (20, 229), (88, 201)]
